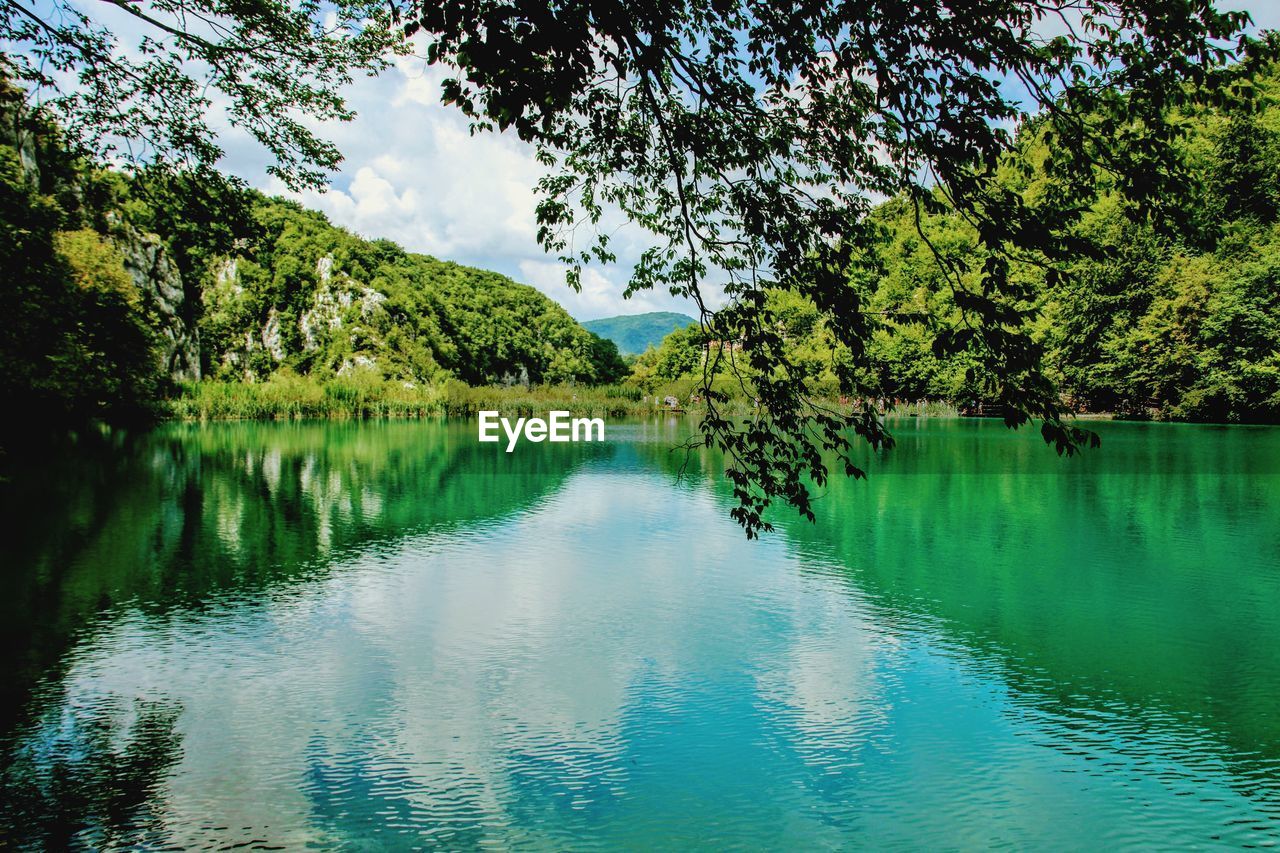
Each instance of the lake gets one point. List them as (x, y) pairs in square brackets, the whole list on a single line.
[(388, 636)]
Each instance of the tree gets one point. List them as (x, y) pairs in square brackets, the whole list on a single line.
[(608, 365), (75, 343), (274, 66), (680, 353), (1245, 179), (751, 138)]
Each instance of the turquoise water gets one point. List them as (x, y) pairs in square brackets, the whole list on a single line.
[(386, 636)]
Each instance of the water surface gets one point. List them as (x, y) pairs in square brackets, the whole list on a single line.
[(386, 636)]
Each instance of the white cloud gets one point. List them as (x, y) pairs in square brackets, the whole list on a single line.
[(415, 174)]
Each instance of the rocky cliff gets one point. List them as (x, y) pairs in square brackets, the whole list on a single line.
[(171, 309)]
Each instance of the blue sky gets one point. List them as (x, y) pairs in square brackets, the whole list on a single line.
[(414, 174)]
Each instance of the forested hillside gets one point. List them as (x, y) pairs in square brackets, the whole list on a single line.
[(313, 298), (117, 287), (1175, 316), (635, 333)]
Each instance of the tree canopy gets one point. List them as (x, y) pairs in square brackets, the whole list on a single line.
[(752, 140), (272, 67)]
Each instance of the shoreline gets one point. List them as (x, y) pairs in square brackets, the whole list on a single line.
[(297, 398), (288, 398)]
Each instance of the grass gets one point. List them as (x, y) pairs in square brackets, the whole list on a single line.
[(600, 401), (296, 397), (292, 397)]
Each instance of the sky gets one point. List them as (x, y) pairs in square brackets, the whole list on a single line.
[(412, 173)]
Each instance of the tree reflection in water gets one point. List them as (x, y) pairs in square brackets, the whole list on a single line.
[(94, 782)]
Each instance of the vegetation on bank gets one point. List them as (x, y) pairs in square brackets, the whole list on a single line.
[(364, 395), (289, 396), (305, 295)]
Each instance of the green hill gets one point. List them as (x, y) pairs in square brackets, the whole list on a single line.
[(119, 286), (635, 333), (312, 297)]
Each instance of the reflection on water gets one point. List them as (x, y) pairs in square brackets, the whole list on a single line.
[(387, 635)]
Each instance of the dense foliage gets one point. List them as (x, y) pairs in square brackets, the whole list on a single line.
[(635, 333), (1173, 317), (75, 340)]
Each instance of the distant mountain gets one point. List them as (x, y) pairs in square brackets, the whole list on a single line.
[(634, 333)]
